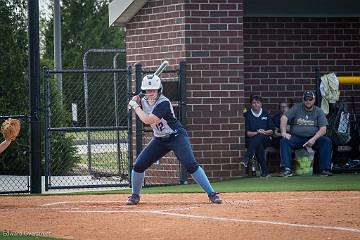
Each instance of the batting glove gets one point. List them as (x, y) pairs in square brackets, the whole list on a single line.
[(133, 104)]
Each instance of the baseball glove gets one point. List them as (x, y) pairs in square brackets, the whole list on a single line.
[(10, 129)]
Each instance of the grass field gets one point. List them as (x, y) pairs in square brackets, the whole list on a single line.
[(341, 182), (338, 182), (106, 162)]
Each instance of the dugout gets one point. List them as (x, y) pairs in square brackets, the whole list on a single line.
[(236, 48)]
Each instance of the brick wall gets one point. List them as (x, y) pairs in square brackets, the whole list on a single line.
[(156, 33), (208, 36), (281, 53), (214, 53)]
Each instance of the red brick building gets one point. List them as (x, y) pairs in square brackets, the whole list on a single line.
[(234, 48)]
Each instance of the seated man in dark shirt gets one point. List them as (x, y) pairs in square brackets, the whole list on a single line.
[(258, 129)]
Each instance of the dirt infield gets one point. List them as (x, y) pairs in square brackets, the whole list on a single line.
[(295, 215)]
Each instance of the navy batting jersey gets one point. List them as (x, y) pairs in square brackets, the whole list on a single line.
[(163, 109), (253, 123)]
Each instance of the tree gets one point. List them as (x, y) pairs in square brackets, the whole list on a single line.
[(14, 98), (13, 57), (84, 27)]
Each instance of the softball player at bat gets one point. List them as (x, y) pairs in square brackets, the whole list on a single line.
[(168, 134)]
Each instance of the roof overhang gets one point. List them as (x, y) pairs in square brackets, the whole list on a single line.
[(301, 8), (121, 11)]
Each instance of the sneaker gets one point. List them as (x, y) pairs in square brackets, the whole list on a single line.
[(326, 173), (214, 198), (287, 173), (133, 199)]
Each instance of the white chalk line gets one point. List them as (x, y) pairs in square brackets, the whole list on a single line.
[(307, 198), (75, 202), (289, 199), (347, 229)]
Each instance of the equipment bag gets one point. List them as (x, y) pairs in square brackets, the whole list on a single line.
[(339, 125)]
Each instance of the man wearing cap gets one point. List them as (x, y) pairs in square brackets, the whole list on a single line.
[(307, 129)]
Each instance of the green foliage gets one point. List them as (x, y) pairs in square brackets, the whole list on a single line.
[(14, 98), (15, 160), (59, 116), (63, 154), (13, 58), (84, 26)]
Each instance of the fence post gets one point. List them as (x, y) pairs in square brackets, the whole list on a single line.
[(130, 135), (34, 73), (86, 102), (139, 125), (182, 102), (46, 127), (116, 112)]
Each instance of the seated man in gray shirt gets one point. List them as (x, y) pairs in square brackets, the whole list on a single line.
[(307, 129)]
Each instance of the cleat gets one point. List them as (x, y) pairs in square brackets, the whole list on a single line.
[(134, 199), (214, 198)]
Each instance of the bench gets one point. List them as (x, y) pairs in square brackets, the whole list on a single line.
[(271, 164)]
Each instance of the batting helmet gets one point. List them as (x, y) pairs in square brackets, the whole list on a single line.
[(150, 82)]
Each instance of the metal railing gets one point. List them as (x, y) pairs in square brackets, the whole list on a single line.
[(87, 135)]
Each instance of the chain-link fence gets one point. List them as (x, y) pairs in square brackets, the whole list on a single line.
[(15, 161), (86, 128), (168, 169)]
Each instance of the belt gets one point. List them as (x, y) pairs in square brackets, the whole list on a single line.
[(169, 136)]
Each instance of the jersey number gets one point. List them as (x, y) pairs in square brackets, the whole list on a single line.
[(160, 126)]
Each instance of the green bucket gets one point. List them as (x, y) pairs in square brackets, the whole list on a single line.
[(304, 162)]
